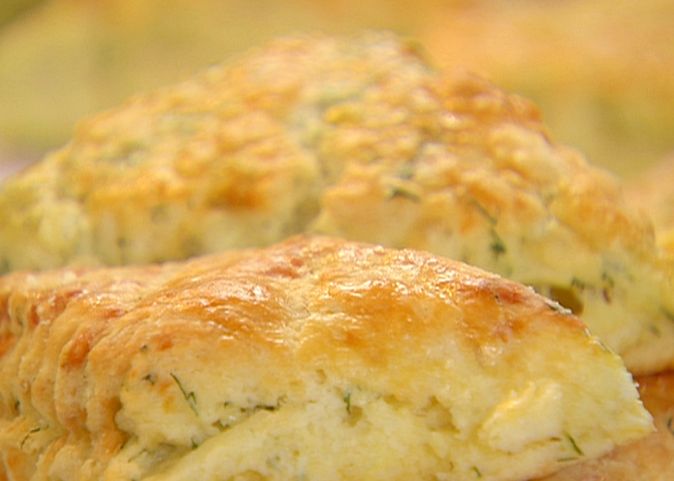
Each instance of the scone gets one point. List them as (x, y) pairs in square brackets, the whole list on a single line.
[(315, 359), (649, 459), (601, 70), (356, 138), (653, 192)]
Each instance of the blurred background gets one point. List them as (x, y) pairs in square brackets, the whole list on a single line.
[(602, 71)]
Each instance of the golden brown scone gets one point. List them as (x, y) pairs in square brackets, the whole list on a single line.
[(654, 193), (649, 459), (356, 138), (600, 70), (313, 359)]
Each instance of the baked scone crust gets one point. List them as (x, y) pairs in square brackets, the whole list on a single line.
[(356, 138), (316, 357)]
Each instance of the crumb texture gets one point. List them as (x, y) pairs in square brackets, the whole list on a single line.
[(647, 459)]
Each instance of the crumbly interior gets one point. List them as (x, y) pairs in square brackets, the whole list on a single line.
[(341, 431), (181, 422), (648, 458)]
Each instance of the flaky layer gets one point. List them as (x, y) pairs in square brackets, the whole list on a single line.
[(316, 358), (356, 138)]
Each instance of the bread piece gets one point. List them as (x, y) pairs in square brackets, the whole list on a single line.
[(355, 138), (649, 459), (653, 192), (601, 71), (313, 359)]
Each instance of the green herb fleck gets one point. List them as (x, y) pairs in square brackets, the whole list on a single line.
[(28, 435), (347, 401), (577, 283), (607, 279), (258, 407), (497, 245), (485, 213), (567, 459), (151, 378), (667, 313), (190, 397), (606, 293), (654, 330), (402, 193), (477, 472), (574, 445), (670, 426), (195, 444)]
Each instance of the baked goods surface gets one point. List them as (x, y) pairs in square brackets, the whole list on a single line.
[(356, 138), (313, 359), (649, 459), (601, 71)]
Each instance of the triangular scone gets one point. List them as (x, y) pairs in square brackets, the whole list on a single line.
[(313, 359), (356, 138), (649, 459)]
